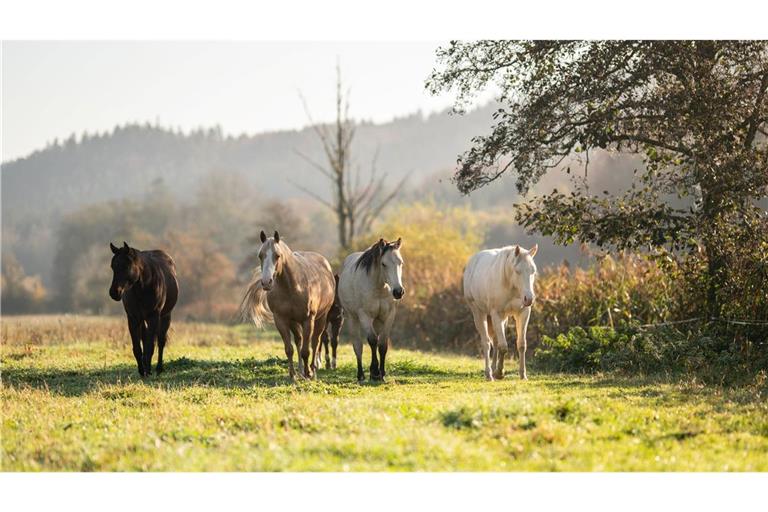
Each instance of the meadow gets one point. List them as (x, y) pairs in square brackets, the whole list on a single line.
[(73, 401)]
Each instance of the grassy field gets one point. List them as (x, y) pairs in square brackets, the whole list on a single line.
[(72, 400)]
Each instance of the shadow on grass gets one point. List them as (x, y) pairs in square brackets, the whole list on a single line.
[(182, 372)]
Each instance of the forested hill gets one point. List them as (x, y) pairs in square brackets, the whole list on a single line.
[(124, 163)]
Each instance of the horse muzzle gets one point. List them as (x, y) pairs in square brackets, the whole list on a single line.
[(116, 294), (528, 301), (398, 292)]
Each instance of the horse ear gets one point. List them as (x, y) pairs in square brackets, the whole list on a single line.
[(381, 242), (277, 237), (125, 245), (114, 249), (533, 250), (397, 243), (263, 236), (517, 250)]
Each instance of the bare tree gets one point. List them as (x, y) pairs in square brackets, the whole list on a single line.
[(356, 201)]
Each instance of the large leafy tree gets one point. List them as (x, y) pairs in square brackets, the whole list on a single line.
[(696, 111)]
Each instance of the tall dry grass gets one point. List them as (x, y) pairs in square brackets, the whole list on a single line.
[(42, 330)]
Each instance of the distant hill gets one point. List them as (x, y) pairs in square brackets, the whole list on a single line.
[(125, 162)]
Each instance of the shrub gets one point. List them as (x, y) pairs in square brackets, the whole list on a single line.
[(699, 352), (614, 291)]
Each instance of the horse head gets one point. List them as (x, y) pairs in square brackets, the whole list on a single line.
[(392, 266), (126, 270), (272, 257), (521, 272)]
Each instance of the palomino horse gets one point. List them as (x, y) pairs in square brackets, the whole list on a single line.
[(146, 283), (498, 283), (369, 287), (296, 289)]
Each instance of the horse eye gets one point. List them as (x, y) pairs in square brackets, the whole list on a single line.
[(383, 264)]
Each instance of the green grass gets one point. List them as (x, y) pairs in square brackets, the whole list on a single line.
[(75, 403)]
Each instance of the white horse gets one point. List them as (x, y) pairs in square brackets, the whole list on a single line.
[(498, 283), (370, 284)]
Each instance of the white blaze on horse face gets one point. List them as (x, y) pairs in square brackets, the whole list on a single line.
[(525, 274), (392, 272), (269, 256)]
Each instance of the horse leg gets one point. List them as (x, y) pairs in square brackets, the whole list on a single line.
[(373, 342), (285, 333), (325, 339), (384, 341), (357, 346), (295, 329), (317, 330), (496, 359), (135, 326), (306, 339), (366, 329), (502, 347), (521, 325), (494, 353), (150, 334), (485, 341), (335, 330), (162, 337)]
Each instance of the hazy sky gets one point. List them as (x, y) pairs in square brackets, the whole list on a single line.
[(52, 89)]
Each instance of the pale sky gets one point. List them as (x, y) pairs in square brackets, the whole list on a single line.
[(52, 89)]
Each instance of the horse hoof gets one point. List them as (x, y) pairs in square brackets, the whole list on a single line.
[(498, 376)]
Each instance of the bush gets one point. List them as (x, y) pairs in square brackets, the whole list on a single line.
[(615, 290), (700, 352)]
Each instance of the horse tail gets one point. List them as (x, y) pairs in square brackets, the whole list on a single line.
[(254, 305)]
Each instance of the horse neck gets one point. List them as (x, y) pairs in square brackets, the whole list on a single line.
[(376, 277), (507, 277), (288, 275)]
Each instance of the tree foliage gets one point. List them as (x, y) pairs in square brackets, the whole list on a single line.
[(696, 111)]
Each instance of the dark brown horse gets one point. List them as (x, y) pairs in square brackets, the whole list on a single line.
[(146, 283), (330, 335)]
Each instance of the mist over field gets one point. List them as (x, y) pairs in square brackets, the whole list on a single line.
[(133, 161)]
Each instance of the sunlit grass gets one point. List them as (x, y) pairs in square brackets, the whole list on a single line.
[(225, 403)]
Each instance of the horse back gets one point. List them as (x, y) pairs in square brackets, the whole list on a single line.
[(318, 279), (163, 286), (483, 275)]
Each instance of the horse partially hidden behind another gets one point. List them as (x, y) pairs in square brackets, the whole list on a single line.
[(296, 290), (333, 324), (146, 283), (498, 283), (370, 285)]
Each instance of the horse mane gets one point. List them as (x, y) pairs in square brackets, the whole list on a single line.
[(372, 255)]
